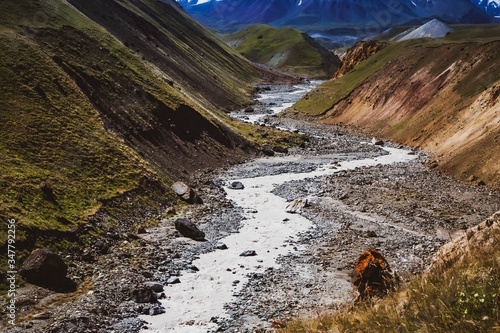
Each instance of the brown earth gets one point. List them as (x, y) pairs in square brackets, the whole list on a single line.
[(444, 99), (355, 55)]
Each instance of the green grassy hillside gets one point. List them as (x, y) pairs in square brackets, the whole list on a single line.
[(107, 111), (286, 49)]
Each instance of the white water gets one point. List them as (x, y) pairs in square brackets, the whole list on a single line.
[(293, 96), (191, 304)]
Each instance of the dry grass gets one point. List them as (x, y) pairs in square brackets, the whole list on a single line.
[(461, 297)]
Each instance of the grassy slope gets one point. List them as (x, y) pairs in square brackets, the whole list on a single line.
[(283, 48), (340, 100), (86, 114), (461, 294)]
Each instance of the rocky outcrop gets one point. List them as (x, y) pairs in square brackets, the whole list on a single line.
[(372, 275), (189, 229), (481, 237), (357, 54), (42, 267)]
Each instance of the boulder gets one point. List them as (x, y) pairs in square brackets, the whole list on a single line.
[(268, 152), (101, 246), (249, 109), (279, 149), (372, 275), (42, 267), (141, 230), (144, 295), (186, 193), (189, 229), (377, 142), (297, 206), (154, 286), (237, 186)]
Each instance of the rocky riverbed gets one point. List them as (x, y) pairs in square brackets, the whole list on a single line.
[(359, 196)]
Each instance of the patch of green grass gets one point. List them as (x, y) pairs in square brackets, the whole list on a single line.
[(50, 133), (283, 48)]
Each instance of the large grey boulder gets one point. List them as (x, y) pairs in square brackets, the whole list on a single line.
[(186, 193)]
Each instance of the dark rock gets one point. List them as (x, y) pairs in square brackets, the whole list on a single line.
[(101, 246), (186, 193), (268, 152), (42, 267), (154, 286), (221, 246), (141, 230), (370, 234), (248, 253), (237, 186), (156, 310), (249, 109), (193, 268), (377, 142), (144, 295), (279, 149), (189, 229), (47, 192), (372, 275)]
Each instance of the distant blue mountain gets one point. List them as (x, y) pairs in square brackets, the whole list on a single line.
[(227, 14), (492, 7)]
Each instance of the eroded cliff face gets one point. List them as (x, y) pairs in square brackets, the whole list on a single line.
[(357, 54), (443, 99)]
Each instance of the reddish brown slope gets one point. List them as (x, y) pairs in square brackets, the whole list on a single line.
[(444, 99)]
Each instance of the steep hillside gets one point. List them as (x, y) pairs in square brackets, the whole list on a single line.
[(99, 113), (357, 54), (439, 95), (286, 49)]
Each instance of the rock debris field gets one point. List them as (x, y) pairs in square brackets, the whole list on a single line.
[(260, 263)]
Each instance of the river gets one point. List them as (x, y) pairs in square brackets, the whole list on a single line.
[(192, 305)]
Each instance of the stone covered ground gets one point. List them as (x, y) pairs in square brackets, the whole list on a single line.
[(405, 210)]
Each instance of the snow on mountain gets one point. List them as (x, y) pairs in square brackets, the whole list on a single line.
[(432, 29), (492, 7)]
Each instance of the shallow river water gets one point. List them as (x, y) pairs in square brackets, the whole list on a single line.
[(268, 228)]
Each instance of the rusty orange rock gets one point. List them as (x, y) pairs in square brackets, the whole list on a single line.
[(372, 275)]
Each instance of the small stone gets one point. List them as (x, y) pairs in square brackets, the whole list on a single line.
[(221, 246), (370, 234), (297, 206), (248, 253), (173, 280), (237, 186)]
